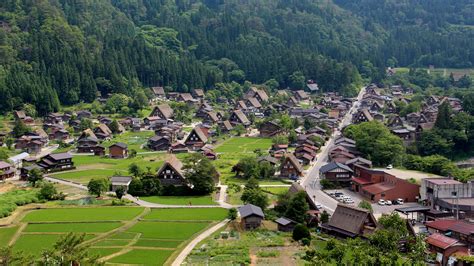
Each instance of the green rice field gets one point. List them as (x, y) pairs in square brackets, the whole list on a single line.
[(72, 227), (83, 214), (195, 214), (116, 234), (143, 257), (181, 200)]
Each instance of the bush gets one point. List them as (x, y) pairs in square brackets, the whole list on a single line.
[(306, 241), (326, 184), (232, 214), (301, 231), (48, 192), (11, 200), (118, 203)]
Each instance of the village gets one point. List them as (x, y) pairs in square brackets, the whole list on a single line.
[(296, 139)]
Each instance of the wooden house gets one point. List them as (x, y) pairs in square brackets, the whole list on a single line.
[(118, 150), (159, 143), (362, 116), (57, 162), (260, 94), (196, 139), (301, 95), (163, 111), (251, 216), (103, 132), (348, 221), (198, 93), (171, 173), (285, 224), (269, 129), (159, 92), (226, 126), (290, 167), (336, 172), (238, 117), (6, 170)]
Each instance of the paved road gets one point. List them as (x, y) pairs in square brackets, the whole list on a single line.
[(311, 180), (185, 252)]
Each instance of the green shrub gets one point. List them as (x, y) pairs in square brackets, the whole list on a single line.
[(301, 231), (11, 200)]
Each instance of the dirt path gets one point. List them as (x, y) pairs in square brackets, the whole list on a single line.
[(185, 252), (17, 234), (124, 250), (127, 225)]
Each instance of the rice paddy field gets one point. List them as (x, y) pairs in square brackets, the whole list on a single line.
[(181, 200), (119, 235)]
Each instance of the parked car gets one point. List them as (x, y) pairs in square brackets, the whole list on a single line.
[(381, 202), (349, 201), (389, 166), (388, 202), (318, 206), (398, 202)]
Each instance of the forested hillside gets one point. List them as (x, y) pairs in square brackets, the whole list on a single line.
[(55, 52)]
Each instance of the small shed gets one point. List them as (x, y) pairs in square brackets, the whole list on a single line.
[(120, 181), (17, 160), (118, 150), (285, 224), (251, 216)]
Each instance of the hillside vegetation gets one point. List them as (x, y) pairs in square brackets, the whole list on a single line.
[(61, 52)]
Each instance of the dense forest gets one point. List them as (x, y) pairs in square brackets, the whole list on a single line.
[(61, 52)]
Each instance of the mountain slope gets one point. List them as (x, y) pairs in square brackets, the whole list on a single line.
[(65, 51)]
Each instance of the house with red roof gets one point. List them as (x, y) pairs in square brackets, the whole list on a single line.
[(376, 184), (445, 247), (457, 229)]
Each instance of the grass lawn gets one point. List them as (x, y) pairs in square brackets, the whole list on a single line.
[(157, 243), (244, 145), (167, 230), (144, 257), (73, 227), (85, 176), (134, 140), (35, 244), (83, 214), (180, 200), (203, 214), (276, 190), (6, 235)]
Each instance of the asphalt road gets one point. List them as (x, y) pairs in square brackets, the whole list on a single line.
[(311, 180)]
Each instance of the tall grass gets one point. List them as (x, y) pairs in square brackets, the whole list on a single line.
[(11, 200)]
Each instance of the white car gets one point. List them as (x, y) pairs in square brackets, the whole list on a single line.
[(400, 201), (319, 206), (388, 202), (381, 202), (348, 201), (389, 166)]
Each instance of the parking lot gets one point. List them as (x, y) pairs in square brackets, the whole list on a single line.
[(357, 198)]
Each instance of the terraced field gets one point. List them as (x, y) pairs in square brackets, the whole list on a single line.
[(119, 235)]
